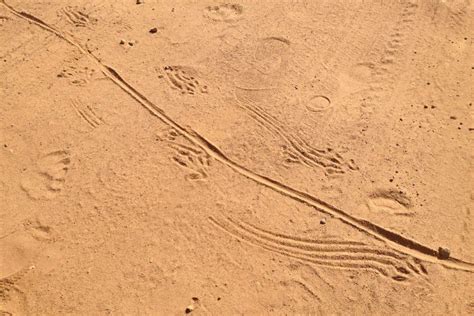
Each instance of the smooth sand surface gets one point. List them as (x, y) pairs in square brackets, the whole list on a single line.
[(249, 157)]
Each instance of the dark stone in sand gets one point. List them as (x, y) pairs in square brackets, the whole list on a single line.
[(443, 253)]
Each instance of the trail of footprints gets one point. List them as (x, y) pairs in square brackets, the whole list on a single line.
[(46, 179), (383, 72), (192, 159), (272, 53), (458, 16), (337, 254), (398, 37), (400, 242), (296, 149)]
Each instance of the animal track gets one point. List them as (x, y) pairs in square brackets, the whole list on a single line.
[(47, 178), (16, 256), (399, 34), (12, 298), (183, 79), (296, 149), (77, 16), (114, 178), (3, 19), (362, 72), (224, 12), (170, 135), (306, 280), (77, 76), (270, 60), (86, 113), (391, 238), (266, 66), (390, 201), (383, 73), (458, 15), (38, 231), (78, 71), (271, 55), (336, 254), (193, 159)]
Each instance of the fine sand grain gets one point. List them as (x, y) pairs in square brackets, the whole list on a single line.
[(248, 157)]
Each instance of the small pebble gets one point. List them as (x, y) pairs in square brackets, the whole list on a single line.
[(140, 1), (122, 42), (153, 30), (322, 221), (189, 309), (443, 253)]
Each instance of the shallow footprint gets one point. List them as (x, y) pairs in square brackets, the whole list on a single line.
[(224, 12), (390, 201), (17, 254), (47, 178)]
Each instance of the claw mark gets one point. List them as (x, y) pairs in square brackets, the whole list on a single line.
[(296, 149), (392, 239), (194, 160), (270, 59), (183, 78), (189, 157), (78, 76), (77, 16), (86, 113)]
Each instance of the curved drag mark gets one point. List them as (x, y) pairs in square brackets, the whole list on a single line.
[(392, 239), (329, 253)]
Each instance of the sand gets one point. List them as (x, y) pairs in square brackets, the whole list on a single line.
[(249, 157)]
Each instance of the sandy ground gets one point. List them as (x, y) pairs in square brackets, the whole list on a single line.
[(256, 157)]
